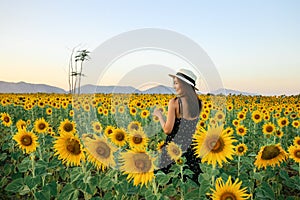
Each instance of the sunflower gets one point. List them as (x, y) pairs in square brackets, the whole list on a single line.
[(174, 151), (121, 109), (26, 140), (160, 145), (257, 116), (6, 119), (235, 122), (97, 127), (139, 166), (241, 130), (41, 126), (220, 116), (69, 149), (204, 116), (21, 124), (145, 113), (67, 126), (241, 149), (134, 125), (270, 155), (282, 122), (241, 115), (71, 113), (118, 137), (296, 123), (214, 145), (294, 152), (279, 133), (229, 190), (133, 111), (49, 111), (99, 152), (100, 110), (268, 128), (137, 139), (109, 130), (297, 141)]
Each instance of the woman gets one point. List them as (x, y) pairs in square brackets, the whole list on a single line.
[(182, 118)]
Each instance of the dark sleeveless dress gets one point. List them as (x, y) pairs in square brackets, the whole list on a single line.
[(182, 135)]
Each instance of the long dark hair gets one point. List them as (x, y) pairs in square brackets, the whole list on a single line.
[(193, 101)]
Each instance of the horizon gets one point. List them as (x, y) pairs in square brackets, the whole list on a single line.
[(253, 45), (151, 87)]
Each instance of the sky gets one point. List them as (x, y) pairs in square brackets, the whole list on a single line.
[(254, 45)]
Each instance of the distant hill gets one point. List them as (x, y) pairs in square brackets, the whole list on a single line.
[(232, 92), (160, 89), (22, 87), (90, 89)]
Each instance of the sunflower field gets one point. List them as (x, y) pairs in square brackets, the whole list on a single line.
[(107, 146)]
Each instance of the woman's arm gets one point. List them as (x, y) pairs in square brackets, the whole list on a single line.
[(169, 123)]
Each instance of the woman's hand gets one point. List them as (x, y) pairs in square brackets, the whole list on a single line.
[(157, 112)]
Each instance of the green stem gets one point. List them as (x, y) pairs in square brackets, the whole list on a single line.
[(154, 187), (181, 179), (33, 165), (299, 169), (239, 159)]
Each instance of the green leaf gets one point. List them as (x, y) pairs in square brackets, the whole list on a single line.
[(3, 156), (169, 191), (44, 194), (75, 175), (204, 187), (52, 187), (41, 163), (162, 178), (15, 186), (7, 169), (3, 181), (283, 174), (24, 190), (68, 192), (25, 165), (267, 190), (194, 194), (32, 182)]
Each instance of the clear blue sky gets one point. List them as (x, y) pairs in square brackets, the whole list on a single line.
[(255, 45)]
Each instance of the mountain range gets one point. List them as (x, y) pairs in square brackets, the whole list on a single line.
[(22, 87)]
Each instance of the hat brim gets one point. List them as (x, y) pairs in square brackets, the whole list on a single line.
[(181, 78)]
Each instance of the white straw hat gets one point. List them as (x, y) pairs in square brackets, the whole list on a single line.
[(187, 76)]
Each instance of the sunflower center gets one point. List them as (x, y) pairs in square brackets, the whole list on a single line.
[(103, 150), (134, 127), (270, 152), (297, 154), (42, 126), (120, 136), (137, 139), (241, 149), (220, 116), (256, 116), (176, 151), (142, 162), (68, 127), (228, 196), (269, 129), (6, 119), (73, 146), (216, 146), (283, 122), (97, 127), (26, 140), (241, 130)]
